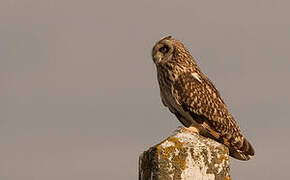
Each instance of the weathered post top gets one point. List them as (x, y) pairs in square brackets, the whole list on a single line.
[(185, 156)]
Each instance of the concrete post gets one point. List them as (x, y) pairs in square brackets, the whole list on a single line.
[(185, 156)]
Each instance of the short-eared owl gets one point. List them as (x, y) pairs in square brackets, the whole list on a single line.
[(191, 96)]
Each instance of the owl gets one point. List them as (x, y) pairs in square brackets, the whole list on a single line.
[(193, 98)]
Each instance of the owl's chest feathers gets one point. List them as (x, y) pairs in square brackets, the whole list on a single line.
[(167, 78), (167, 75)]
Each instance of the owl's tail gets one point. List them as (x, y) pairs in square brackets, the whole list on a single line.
[(242, 152)]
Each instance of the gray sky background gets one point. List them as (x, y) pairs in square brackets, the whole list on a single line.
[(79, 97)]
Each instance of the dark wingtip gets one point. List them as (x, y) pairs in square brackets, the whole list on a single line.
[(250, 150), (244, 153), (239, 155)]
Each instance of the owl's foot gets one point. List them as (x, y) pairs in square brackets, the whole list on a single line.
[(191, 129)]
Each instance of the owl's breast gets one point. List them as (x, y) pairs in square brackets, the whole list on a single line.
[(165, 85)]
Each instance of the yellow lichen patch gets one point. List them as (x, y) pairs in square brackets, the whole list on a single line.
[(223, 157), (175, 151), (175, 140), (168, 151), (179, 160), (227, 178)]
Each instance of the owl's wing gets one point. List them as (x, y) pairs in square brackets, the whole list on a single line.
[(197, 96)]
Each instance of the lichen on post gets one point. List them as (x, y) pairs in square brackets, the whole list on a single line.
[(185, 156)]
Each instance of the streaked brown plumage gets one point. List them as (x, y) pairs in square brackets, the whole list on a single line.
[(191, 96)]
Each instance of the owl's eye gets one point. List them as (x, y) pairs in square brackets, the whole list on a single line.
[(164, 49)]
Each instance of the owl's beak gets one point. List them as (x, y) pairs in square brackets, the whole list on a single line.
[(157, 58)]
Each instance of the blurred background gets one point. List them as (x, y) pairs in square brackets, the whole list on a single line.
[(79, 97)]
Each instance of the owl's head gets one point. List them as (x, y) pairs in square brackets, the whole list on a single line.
[(170, 49), (163, 50)]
